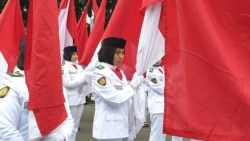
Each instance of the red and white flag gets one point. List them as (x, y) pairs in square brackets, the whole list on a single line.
[(11, 32), (67, 25), (207, 59), (95, 35), (95, 7), (151, 46), (43, 69), (82, 30)]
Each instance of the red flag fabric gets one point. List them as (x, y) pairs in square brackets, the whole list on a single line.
[(126, 24), (95, 7), (72, 23), (95, 35), (146, 3), (11, 32), (82, 31), (207, 80), (43, 67)]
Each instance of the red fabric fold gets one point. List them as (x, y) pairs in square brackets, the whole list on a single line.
[(207, 69), (43, 66), (118, 73), (11, 32)]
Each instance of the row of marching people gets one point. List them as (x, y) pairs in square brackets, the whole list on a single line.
[(112, 91), (17, 122), (113, 96), (154, 89)]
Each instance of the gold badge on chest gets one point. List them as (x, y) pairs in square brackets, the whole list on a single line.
[(4, 91), (102, 81)]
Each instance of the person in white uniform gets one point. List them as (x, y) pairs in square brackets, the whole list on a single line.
[(14, 98), (155, 81), (73, 82), (177, 138), (14, 111), (113, 94)]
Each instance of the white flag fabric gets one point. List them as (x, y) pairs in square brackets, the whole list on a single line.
[(150, 50), (151, 46), (64, 35), (3, 66)]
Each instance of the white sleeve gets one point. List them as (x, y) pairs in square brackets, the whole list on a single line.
[(10, 112), (158, 87)]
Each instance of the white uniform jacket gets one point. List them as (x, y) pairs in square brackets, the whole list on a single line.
[(73, 82), (156, 81), (112, 101), (13, 108)]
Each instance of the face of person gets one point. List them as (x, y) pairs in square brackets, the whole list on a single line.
[(158, 63), (118, 56), (74, 57)]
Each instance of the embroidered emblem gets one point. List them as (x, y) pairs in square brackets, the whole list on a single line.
[(151, 69), (4, 91), (16, 74), (100, 67), (102, 81), (154, 80)]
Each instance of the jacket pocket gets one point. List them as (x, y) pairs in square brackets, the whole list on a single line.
[(113, 117)]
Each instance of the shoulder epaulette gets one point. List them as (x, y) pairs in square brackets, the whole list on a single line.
[(100, 67), (15, 74), (151, 69)]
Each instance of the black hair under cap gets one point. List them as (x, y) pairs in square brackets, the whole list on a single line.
[(106, 55), (20, 60), (114, 42), (68, 51), (109, 46)]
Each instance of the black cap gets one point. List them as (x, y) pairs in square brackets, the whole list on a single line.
[(114, 42), (109, 46), (68, 51)]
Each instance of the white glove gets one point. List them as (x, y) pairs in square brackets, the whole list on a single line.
[(84, 77), (88, 77), (55, 136), (136, 80), (132, 136)]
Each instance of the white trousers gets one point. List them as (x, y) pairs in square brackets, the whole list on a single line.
[(156, 128), (124, 139), (176, 138), (76, 112)]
